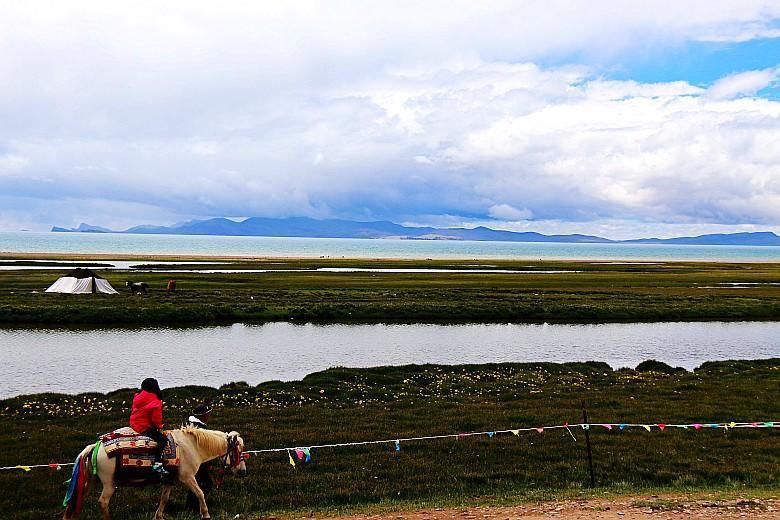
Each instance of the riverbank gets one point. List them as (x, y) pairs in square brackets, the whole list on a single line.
[(401, 291), (343, 405)]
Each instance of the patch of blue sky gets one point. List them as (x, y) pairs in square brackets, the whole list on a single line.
[(701, 63)]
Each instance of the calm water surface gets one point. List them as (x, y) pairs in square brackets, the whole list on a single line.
[(70, 361), (120, 243)]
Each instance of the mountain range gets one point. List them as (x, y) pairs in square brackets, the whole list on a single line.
[(335, 228)]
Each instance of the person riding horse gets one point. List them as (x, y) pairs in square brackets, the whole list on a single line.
[(146, 418), (200, 416)]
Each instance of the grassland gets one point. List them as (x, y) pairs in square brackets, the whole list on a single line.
[(345, 404), (291, 290), (350, 404)]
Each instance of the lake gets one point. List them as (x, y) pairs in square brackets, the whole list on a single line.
[(120, 243), (71, 361)]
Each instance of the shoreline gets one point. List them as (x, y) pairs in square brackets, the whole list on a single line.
[(53, 255), (646, 368)]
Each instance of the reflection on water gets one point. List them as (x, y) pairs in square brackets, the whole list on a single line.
[(35, 360)]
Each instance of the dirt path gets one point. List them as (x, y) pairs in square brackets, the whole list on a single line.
[(630, 508)]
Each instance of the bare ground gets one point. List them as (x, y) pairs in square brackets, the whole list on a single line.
[(627, 508)]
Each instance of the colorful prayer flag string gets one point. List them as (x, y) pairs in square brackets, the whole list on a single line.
[(304, 454)]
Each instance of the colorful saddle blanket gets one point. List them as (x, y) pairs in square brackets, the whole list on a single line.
[(135, 455)]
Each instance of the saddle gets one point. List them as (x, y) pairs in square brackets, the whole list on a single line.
[(135, 455)]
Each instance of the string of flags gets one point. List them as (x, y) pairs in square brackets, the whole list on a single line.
[(303, 455)]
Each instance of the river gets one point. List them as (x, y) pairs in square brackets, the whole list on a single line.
[(72, 361)]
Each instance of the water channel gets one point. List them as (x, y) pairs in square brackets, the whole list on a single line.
[(72, 361)]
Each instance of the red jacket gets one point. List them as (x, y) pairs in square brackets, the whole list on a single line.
[(146, 412)]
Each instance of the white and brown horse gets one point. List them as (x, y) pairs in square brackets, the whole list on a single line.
[(195, 446)]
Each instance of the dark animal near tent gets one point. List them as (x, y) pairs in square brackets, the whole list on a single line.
[(138, 287)]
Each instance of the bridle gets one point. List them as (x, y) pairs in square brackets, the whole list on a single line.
[(233, 456)]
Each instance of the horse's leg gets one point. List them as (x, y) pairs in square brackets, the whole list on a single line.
[(105, 470), (191, 483), (105, 498), (164, 496)]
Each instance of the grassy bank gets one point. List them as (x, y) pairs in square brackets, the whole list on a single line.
[(583, 292), (350, 404)]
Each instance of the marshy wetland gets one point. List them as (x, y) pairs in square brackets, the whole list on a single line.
[(293, 289), (343, 405), (450, 324)]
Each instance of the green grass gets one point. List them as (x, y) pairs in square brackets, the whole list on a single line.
[(389, 402), (601, 292)]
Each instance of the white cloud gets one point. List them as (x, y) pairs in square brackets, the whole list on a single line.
[(12, 164), (739, 33), (205, 148), (545, 144), (401, 111), (743, 84), (507, 212)]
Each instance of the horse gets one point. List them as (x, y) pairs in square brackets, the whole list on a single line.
[(195, 446), (137, 287)]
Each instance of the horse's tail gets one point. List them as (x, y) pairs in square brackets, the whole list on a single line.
[(74, 498)]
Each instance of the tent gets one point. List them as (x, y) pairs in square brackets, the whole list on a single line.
[(81, 281)]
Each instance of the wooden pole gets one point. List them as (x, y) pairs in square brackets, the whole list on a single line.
[(587, 442)]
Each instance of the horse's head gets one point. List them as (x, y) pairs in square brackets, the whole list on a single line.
[(236, 458)]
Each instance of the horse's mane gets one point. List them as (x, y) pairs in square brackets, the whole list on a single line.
[(208, 440)]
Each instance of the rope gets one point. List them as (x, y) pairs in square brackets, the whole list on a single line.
[(583, 426), (514, 431)]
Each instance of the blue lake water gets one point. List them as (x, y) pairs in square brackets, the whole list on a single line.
[(71, 361), (116, 243)]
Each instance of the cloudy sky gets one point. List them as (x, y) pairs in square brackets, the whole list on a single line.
[(616, 118)]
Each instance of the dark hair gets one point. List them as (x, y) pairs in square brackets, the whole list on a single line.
[(150, 385), (202, 409)]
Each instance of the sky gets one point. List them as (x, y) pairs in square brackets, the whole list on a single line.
[(621, 119)]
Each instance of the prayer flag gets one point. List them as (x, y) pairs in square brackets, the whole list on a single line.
[(307, 453), (646, 427), (515, 432), (397, 445)]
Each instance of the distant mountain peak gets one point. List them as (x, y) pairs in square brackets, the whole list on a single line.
[(83, 228), (337, 228)]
